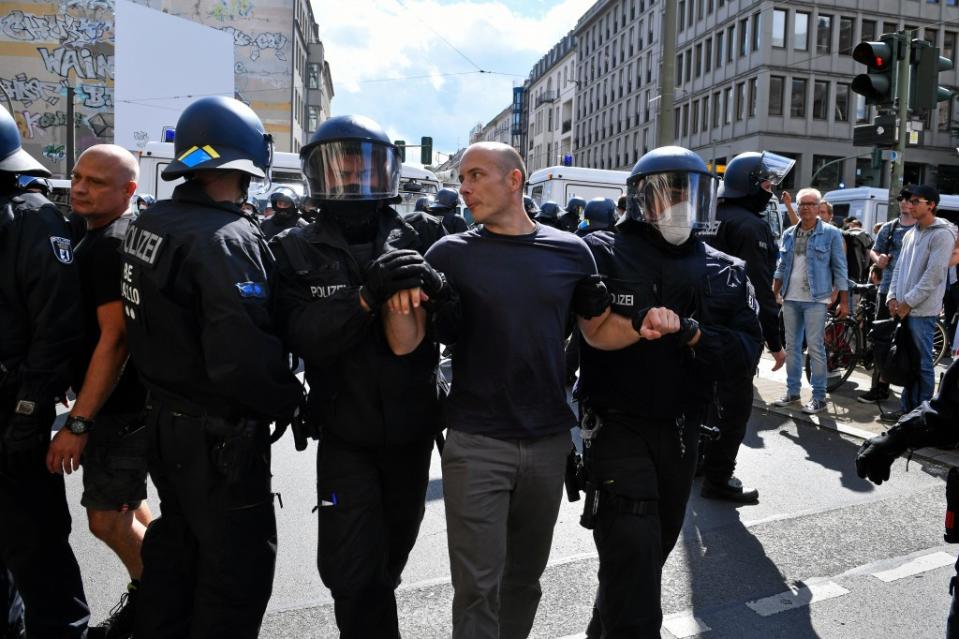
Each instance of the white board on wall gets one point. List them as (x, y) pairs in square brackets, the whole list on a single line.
[(160, 61)]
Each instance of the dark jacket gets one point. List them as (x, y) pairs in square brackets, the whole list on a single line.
[(195, 298), (745, 234), (276, 224), (663, 379), (39, 299), (359, 389), (453, 222), (429, 228)]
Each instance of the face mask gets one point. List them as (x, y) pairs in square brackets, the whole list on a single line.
[(674, 226)]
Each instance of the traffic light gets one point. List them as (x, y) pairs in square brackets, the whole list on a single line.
[(924, 89), (426, 150), (878, 84), (401, 147)]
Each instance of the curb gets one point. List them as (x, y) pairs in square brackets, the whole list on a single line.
[(933, 455)]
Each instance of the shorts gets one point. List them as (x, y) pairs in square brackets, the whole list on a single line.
[(115, 463)]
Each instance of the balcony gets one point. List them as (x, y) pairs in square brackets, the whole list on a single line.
[(567, 125), (547, 97)]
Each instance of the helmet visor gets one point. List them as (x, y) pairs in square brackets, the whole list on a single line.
[(352, 170), (675, 201), (774, 168)]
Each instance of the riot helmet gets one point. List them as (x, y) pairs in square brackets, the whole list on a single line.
[(13, 159), (549, 212), (671, 189), (575, 206), (145, 200), (422, 204), (529, 204), (350, 159), (284, 201), (221, 133), (600, 213), (34, 183), (250, 206), (750, 173), (444, 201)]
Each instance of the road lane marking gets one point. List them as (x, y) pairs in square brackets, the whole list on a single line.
[(915, 566), (796, 598)]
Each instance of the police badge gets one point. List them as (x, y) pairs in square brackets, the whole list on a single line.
[(63, 249)]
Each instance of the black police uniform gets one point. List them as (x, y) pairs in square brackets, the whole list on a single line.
[(195, 297), (453, 222), (378, 413), (650, 399), (40, 324), (428, 227), (277, 223), (745, 234)]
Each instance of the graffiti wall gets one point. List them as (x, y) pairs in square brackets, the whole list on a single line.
[(43, 47), (263, 51)]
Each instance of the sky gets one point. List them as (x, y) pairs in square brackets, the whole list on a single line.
[(412, 65)]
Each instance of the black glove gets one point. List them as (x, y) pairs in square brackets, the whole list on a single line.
[(433, 282), (876, 455), (235, 445), (389, 273), (590, 297)]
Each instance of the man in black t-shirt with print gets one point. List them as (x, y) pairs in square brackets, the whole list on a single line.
[(105, 425)]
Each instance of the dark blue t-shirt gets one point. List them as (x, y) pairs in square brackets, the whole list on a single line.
[(516, 294)]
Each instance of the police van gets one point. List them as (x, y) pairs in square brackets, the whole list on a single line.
[(414, 184), (286, 171), (560, 183), (871, 206)]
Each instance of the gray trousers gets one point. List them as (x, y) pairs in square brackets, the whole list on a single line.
[(502, 499)]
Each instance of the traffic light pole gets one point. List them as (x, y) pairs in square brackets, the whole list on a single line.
[(902, 101)]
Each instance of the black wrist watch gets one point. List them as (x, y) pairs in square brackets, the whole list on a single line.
[(78, 425), (688, 327)]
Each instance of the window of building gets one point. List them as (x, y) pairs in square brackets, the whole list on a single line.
[(820, 100), (685, 127), (740, 101), (717, 111), (824, 34), (949, 45), (755, 32), (719, 50), (708, 55), (753, 90), (797, 107), (932, 36), (730, 43), (847, 28), (679, 69), (801, 31), (842, 102), (945, 115), (681, 16), (676, 113), (890, 27), (312, 118), (862, 110), (694, 117), (688, 65), (868, 30), (728, 105), (743, 37), (776, 85), (779, 28), (698, 60), (705, 125), (828, 177)]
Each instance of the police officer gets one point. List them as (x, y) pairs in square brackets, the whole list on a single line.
[(195, 294), (144, 201), (934, 423), (422, 205), (570, 219), (251, 207), (377, 411), (599, 215), (549, 214), (692, 321), (286, 212), (39, 321), (428, 226), (445, 205), (529, 204), (744, 233), (35, 184)]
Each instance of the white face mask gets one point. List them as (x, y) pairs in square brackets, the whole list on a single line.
[(675, 232)]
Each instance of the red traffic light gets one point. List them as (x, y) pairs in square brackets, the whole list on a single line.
[(878, 56)]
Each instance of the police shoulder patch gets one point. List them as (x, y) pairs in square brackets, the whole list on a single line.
[(252, 290), (62, 249)]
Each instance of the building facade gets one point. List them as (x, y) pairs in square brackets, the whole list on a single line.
[(499, 129), (752, 75), (550, 101)]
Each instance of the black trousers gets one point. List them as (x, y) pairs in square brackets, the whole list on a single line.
[(35, 548), (208, 559), (638, 462), (371, 502), (735, 404), (882, 312)]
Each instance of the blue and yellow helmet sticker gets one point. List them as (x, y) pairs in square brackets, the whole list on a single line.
[(198, 155)]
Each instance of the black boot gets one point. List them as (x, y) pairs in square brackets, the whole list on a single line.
[(729, 490), (119, 625)]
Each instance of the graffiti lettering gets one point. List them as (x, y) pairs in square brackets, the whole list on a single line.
[(231, 9), (84, 62), (29, 90), (141, 138), (35, 124), (55, 152), (95, 96), (275, 41), (62, 28)]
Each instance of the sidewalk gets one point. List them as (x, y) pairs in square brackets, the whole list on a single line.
[(843, 413)]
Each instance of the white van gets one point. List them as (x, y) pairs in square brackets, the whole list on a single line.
[(871, 206), (560, 183), (414, 184), (156, 156)]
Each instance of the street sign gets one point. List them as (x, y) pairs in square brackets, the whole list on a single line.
[(880, 132)]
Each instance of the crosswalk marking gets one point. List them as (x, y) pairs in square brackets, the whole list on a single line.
[(796, 598), (915, 566)]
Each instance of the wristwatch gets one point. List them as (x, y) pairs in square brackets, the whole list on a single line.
[(78, 425)]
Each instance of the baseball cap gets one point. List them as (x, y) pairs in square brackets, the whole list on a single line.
[(924, 191)]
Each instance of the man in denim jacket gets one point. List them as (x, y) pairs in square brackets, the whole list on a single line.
[(812, 262)]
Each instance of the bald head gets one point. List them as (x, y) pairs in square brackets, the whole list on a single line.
[(103, 181), (506, 158)]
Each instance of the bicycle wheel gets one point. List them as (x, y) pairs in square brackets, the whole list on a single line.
[(940, 343), (843, 351)]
